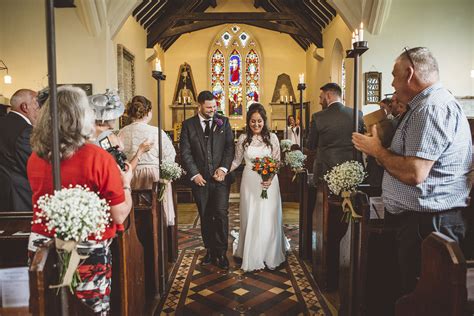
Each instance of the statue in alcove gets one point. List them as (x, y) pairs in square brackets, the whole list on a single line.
[(185, 87)]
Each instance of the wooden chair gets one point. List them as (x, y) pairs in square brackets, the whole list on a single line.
[(445, 283)]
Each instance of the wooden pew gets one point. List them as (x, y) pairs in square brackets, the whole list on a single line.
[(442, 288), (14, 238), (128, 278), (159, 241), (327, 231)]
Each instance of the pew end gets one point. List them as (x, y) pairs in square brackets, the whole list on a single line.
[(441, 289)]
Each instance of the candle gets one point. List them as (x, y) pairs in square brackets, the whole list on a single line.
[(189, 100), (286, 99), (276, 126), (357, 35), (361, 32), (281, 99), (353, 38), (157, 65), (179, 100), (291, 98), (301, 78)]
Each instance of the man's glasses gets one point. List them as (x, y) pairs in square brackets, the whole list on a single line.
[(406, 49)]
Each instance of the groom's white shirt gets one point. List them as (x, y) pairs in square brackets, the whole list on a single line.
[(203, 125)]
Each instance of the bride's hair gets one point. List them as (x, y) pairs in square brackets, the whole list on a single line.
[(257, 108)]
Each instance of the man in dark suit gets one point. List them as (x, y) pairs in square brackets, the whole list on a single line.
[(207, 151), (15, 149), (331, 131)]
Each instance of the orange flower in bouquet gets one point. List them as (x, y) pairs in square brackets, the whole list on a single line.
[(266, 167)]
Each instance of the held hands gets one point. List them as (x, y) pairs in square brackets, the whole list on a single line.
[(369, 145), (219, 175)]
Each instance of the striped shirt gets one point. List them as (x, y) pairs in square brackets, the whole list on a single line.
[(434, 128)]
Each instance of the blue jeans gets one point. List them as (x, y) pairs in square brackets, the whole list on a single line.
[(412, 228)]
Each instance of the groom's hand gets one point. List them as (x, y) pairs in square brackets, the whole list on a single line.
[(199, 180), (219, 175)]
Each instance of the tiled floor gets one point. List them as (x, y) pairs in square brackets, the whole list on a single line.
[(198, 290)]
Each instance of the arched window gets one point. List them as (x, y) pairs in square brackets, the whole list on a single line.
[(235, 70)]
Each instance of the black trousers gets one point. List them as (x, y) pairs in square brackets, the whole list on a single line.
[(412, 228), (213, 202)]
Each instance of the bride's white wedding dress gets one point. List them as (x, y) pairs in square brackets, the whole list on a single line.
[(261, 240)]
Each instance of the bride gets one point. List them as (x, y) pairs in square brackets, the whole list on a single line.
[(261, 241)]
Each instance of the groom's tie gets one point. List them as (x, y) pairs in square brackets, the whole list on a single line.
[(207, 130)]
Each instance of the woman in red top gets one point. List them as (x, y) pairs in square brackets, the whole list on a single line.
[(81, 164)]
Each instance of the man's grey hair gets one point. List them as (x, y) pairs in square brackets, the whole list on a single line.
[(76, 124), (21, 96), (424, 63)]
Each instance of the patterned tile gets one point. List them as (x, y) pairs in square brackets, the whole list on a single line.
[(207, 290)]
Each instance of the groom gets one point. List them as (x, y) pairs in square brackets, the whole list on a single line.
[(207, 151)]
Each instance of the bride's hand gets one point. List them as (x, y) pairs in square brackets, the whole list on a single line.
[(266, 184)]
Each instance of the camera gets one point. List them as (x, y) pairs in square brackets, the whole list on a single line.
[(119, 156)]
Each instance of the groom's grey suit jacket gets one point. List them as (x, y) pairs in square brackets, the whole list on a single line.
[(204, 157)]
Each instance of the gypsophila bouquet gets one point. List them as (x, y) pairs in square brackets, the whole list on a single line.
[(169, 171), (295, 160), (285, 145), (266, 167), (342, 180), (73, 215)]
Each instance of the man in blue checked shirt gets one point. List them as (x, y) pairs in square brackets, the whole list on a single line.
[(425, 184)]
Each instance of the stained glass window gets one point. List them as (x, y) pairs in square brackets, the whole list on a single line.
[(235, 84), (218, 79), (235, 70), (252, 78)]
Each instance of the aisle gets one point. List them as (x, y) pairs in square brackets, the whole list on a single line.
[(197, 290)]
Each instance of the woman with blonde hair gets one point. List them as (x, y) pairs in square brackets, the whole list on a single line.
[(148, 166), (82, 164)]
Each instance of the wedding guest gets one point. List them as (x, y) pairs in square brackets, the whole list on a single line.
[(398, 108), (108, 108), (293, 130), (82, 164), (148, 165), (15, 149), (331, 130), (386, 105), (425, 184)]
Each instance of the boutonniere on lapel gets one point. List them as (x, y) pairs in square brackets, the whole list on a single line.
[(218, 122)]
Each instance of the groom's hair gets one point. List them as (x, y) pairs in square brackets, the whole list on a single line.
[(205, 96)]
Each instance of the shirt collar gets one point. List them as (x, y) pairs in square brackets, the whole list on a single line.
[(202, 119), (333, 103), (24, 117), (417, 100)]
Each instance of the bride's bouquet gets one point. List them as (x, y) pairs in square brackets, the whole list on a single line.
[(169, 171), (295, 160), (344, 179), (285, 145), (73, 214), (266, 167)]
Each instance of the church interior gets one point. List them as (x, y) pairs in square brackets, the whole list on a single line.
[(278, 53)]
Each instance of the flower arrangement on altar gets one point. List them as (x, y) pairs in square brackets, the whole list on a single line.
[(169, 171), (285, 145), (295, 160), (266, 167), (343, 180), (73, 214)]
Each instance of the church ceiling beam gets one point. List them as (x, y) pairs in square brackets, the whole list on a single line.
[(150, 6), (277, 27), (160, 26), (302, 20), (236, 17), (178, 30)]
